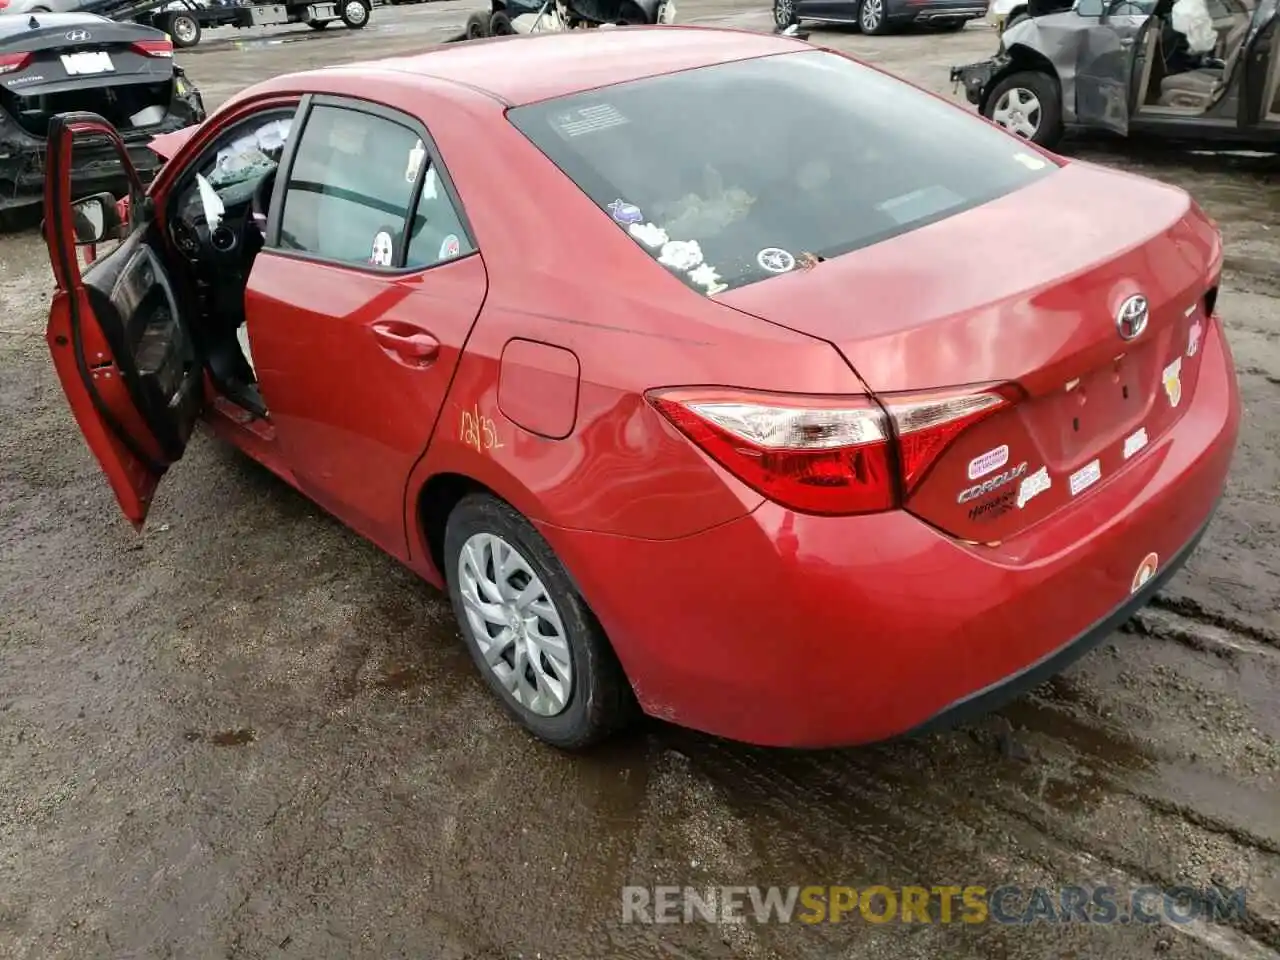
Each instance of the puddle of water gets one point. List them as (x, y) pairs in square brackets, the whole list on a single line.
[(233, 738)]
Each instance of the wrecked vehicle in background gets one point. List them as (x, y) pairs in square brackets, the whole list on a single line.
[(1196, 70), (512, 17), (53, 63)]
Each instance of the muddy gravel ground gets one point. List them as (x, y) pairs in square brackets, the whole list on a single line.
[(247, 733)]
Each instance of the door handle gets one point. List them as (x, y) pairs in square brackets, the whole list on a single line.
[(1126, 43), (407, 343)]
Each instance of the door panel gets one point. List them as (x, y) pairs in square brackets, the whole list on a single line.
[(354, 368), (1104, 69), (120, 345)]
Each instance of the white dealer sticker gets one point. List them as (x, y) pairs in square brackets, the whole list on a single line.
[(981, 465), (1085, 477), (1033, 485), (1135, 442)]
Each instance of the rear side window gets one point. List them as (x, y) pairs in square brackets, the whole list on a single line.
[(733, 173), (349, 189)]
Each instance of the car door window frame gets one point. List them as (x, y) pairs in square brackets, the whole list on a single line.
[(431, 160), (187, 177)]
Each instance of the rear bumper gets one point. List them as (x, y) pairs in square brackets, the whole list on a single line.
[(788, 630), (904, 11)]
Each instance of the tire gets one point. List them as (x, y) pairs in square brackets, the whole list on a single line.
[(183, 29), (784, 14), (596, 700), (477, 27), (872, 17), (1041, 121), (500, 24), (354, 13), (1016, 18)]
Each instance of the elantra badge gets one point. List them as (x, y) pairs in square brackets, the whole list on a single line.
[(1132, 317)]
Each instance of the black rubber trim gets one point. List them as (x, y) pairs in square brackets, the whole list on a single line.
[(986, 700)]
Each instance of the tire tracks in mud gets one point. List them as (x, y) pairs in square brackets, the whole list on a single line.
[(1049, 787)]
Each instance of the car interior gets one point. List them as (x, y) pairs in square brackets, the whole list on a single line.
[(1176, 83), (217, 221)]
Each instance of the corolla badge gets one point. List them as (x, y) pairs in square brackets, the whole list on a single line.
[(1131, 319), (78, 36)]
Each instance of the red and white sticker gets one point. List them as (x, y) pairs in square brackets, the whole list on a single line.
[(1146, 570), (981, 465)]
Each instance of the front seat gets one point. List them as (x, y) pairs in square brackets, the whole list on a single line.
[(1195, 89)]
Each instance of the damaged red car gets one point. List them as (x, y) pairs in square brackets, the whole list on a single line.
[(670, 355)]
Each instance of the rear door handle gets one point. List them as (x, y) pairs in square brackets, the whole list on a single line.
[(406, 343), (1126, 42)]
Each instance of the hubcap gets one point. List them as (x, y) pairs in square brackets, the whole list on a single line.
[(184, 28), (355, 12), (515, 624), (783, 10), (872, 11), (1018, 111)]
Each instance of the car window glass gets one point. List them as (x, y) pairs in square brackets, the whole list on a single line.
[(731, 173), (350, 187), (238, 162), (1089, 8), (437, 233)]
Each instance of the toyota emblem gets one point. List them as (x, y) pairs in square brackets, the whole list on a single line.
[(79, 36), (1132, 317)]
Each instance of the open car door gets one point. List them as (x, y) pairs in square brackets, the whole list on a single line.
[(1105, 65), (121, 348), (1258, 90)]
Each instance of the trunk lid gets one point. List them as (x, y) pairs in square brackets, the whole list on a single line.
[(1025, 290), (66, 63)]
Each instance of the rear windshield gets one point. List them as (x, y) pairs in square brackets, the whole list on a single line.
[(732, 173)]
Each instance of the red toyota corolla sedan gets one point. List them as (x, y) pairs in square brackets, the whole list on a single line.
[(710, 372)]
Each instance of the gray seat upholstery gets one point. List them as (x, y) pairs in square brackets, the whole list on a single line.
[(1194, 88)]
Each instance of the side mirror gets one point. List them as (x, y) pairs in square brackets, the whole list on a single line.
[(96, 218)]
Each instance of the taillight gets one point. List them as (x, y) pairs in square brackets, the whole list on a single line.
[(926, 424), (9, 62), (153, 48), (826, 455)]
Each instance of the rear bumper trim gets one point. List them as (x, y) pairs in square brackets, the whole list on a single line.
[(1010, 688)]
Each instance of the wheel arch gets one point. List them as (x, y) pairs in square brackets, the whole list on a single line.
[(1021, 60), (436, 500)]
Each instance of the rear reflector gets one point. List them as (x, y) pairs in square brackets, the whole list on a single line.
[(826, 455), (153, 48), (9, 62)]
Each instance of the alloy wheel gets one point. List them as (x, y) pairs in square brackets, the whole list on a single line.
[(1018, 111), (871, 14), (185, 29), (784, 12), (515, 624)]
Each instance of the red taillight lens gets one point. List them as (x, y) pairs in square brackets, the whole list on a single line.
[(825, 455), (9, 62), (926, 424), (153, 48), (828, 455)]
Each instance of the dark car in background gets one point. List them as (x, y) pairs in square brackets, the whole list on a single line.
[(53, 63), (879, 16)]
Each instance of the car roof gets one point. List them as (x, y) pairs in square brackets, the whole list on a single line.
[(15, 24), (526, 69)]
